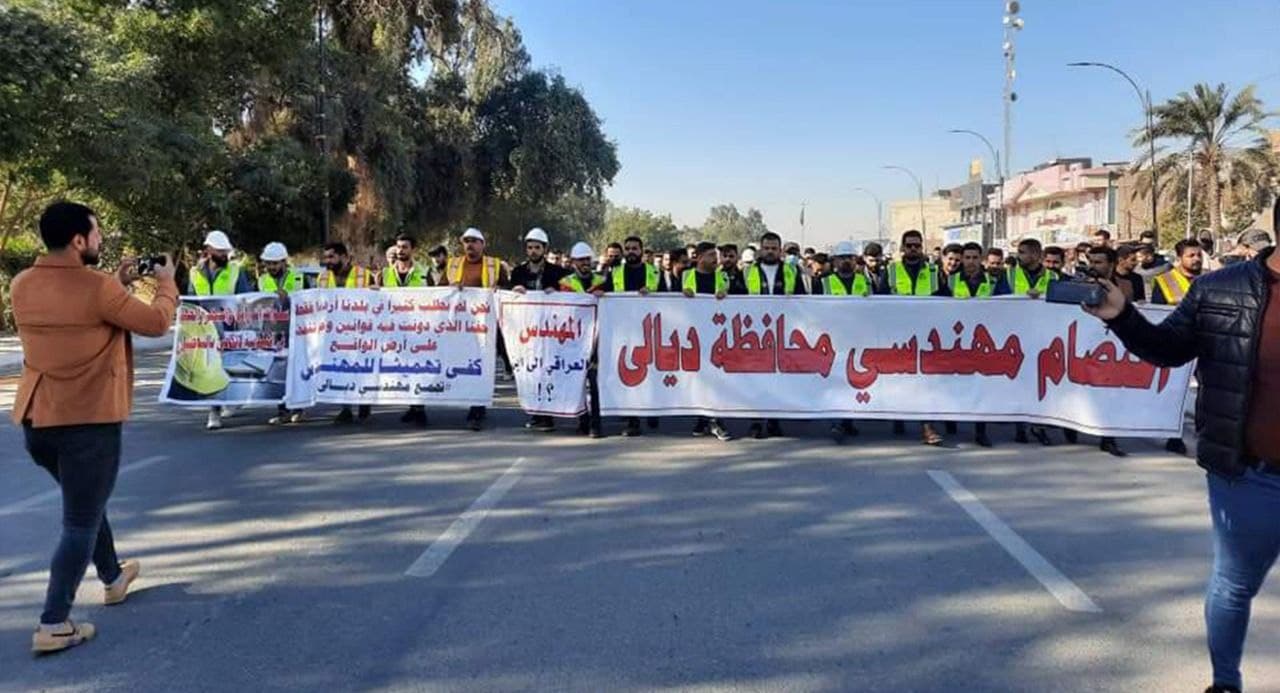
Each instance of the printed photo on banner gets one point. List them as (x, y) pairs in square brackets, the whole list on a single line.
[(229, 350), (899, 358), (549, 339), (403, 346)]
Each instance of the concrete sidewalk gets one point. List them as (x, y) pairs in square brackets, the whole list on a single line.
[(11, 349)]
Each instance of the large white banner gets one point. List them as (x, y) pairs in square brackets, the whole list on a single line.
[(885, 357), (395, 346), (549, 338)]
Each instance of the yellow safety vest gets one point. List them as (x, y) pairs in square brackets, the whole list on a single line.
[(488, 271), (689, 282), (1020, 284), (357, 278), (223, 285), (834, 285), (574, 283), (902, 285), (1174, 285), (391, 277), (650, 278), (755, 279), (293, 281), (960, 287)]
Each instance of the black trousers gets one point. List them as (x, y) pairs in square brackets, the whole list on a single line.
[(85, 461)]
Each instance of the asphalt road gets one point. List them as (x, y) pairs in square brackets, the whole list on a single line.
[(278, 560)]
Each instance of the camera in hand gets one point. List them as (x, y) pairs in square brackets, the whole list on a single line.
[(148, 265), (1077, 292)]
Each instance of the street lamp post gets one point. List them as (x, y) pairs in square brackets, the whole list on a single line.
[(1145, 99), (998, 218), (879, 211), (322, 137), (919, 193)]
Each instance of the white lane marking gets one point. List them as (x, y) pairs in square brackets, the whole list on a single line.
[(439, 551), (1062, 588), (33, 501)]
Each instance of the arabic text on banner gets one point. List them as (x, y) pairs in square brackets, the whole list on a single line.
[(881, 358), (396, 346), (549, 339), (228, 350)]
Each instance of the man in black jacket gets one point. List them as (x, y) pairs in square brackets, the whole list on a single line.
[(1230, 321)]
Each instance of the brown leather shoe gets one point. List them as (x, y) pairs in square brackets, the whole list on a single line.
[(118, 591), (62, 636)]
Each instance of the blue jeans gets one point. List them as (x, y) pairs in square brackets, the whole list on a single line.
[(85, 461), (1246, 539)]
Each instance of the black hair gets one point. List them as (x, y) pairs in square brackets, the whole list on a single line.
[(703, 247), (728, 247), (910, 233), (873, 249), (1112, 255), (62, 221), (1185, 243), (1054, 250), (1030, 243), (338, 247), (678, 254), (409, 239), (998, 252), (438, 250), (954, 248), (635, 239), (614, 244), (1124, 251), (770, 236), (1104, 233), (971, 246)]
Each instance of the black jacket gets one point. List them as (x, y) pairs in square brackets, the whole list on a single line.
[(1218, 322)]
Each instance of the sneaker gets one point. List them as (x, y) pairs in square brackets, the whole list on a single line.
[(278, 420), (61, 636), (718, 431), (595, 432), (118, 591), (1215, 688), (544, 424), (1110, 446), (215, 420), (297, 417), (929, 436), (700, 429)]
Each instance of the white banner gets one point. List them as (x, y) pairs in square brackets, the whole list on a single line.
[(396, 346), (549, 337), (885, 357), (228, 350)]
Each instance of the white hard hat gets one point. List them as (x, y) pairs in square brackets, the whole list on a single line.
[(217, 240), (473, 233), (843, 248), (581, 250), (537, 234), (275, 252), (749, 255)]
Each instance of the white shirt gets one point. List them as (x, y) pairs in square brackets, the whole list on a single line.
[(770, 274)]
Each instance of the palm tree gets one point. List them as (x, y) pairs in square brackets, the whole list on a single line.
[(1222, 139)]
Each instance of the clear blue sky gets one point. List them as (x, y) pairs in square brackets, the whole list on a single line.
[(768, 104)]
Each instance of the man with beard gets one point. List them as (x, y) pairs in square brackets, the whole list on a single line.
[(439, 262), (914, 276), (1102, 265), (1129, 281), (729, 262), (475, 269), (403, 272), (1029, 276), (279, 278), (994, 263), (217, 275), (537, 273), (706, 278), (584, 281), (340, 273), (873, 258), (674, 263), (1055, 260), (769, 275), (1170, 287), (612, 257), (75, 393), (972, 281), (844, 280), (634, 274)]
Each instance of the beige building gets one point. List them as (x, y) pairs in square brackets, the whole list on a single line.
[(939, 211)]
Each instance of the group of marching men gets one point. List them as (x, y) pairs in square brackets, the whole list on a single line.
[(960, 271)]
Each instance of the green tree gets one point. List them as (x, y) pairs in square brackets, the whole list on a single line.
[(725, 224), (657, 230), (1229, 152)]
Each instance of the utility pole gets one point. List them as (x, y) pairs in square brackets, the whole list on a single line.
[(322, 136), (1012, 25), (996, 230)]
